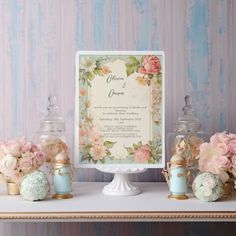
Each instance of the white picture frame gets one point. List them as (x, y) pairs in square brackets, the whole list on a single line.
[(93, 68)]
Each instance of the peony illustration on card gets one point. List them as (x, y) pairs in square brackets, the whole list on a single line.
[(120, 109)]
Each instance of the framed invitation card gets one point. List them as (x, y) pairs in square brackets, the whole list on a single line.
[(120, 108)]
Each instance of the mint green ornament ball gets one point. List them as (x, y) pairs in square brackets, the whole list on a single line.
[(34, 186), (208, 187)]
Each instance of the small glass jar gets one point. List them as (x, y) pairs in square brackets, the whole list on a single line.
[(186, 137)]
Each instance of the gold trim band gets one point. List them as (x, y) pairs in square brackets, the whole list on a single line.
[(118, 215)]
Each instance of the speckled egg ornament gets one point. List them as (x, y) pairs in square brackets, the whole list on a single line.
[(208, 187), (34, 186)]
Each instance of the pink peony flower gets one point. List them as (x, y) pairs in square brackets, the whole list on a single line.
[(98, 152), (26, 164), (11, 147), (232, 146), (26, 147), (222, 148), (219, 138), (142, 154), (232, 136), (40, 158), (223, 162), (151, 65)]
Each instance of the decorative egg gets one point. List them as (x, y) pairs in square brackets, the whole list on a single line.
[(208, 187), (34, 186)]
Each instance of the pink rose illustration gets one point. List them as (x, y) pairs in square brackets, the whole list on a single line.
[(95, 137), (142, 154), (151, 65), (98, 152), (82, 92)]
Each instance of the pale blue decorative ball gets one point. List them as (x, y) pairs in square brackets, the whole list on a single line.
[(34, 186), (208, 187)]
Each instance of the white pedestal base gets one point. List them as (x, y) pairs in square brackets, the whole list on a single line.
[(121, 185)]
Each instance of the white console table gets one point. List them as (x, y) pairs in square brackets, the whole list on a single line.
[(89, 204)]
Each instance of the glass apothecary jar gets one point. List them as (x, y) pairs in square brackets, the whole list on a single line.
[(51, 135), (187, 136)]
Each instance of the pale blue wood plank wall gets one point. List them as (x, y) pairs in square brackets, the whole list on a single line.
[(39, 38)]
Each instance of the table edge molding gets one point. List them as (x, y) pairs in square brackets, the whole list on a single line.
[(116, 215)]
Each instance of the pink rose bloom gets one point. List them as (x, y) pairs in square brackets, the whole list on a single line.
[(98, 152), (11, 147), (36, 147), (232, 136), (40, 158), (204, 147), (26, 147), (232, 146), (219, 138), (26, 164), (151, 65), (222, 148), (223, 162), (142, 154)]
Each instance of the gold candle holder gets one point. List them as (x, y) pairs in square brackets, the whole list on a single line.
[(13, 188)]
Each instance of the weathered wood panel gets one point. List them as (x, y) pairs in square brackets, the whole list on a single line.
[(38, 41)]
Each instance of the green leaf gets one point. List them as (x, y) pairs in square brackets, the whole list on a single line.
[(129, 70), (150, 76), (140, 144), (89, 76), (98, 71), (87, 148), (129, 150), (150, 161), (102, 161), (134, 60), (109, 144), (108, 152), (141, 61)]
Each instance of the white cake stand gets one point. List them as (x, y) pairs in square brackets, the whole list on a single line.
[(121, 185)]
